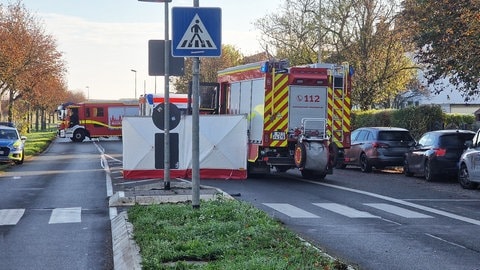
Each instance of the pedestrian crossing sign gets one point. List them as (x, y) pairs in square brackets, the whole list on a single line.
[(196, 32)]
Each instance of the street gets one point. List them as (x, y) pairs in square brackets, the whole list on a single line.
[(54, 211), (381, 220)]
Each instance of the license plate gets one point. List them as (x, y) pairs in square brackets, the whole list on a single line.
[(278, 135)]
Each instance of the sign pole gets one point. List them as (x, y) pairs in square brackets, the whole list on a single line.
[(166, 167), (195, 129)]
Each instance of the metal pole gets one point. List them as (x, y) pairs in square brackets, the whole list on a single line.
[(166, 169), (195, 129), (133, 70), (319, 58)]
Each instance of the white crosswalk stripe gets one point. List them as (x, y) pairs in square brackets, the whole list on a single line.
[(290, 210), (66, 215), (399, 211), (345, 210), (10, 216)]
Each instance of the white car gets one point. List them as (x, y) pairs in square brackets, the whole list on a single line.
[(469, 164)]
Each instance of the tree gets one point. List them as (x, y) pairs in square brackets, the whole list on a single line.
[(29, 62), (208, 67), (361, 32), (291, 31), (446, 34)]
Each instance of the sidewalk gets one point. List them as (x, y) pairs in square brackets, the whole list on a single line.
[(126, 254)]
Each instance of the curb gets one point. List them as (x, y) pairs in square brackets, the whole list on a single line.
[(126, 253)]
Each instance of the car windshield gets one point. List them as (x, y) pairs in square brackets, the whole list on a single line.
[(455, 140), (394, 136), (8, 134)]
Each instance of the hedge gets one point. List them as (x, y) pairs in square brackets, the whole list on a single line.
[(418, 120)]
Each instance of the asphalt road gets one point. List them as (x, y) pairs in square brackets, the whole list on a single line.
[(381, 220), (54, 211)]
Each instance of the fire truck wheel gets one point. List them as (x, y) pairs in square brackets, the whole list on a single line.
[(79, 135), (300, 155)]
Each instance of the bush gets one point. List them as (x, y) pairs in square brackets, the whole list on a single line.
[(417, 120)]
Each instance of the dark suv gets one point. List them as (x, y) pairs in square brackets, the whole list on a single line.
[(377, 147), (437, 153)]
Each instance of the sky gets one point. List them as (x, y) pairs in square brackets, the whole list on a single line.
[(102, 41)]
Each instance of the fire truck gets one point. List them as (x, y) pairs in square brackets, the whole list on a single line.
[(94, 118), (148, 102), (298, 117), (208, 103)]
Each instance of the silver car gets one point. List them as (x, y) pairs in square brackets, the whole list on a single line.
[(469, 164)]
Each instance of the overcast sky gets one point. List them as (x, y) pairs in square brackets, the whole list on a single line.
[(103, 40)]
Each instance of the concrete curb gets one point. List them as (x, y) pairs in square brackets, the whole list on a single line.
[(126, 253)]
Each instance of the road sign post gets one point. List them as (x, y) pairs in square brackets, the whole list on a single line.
[(196, 32)]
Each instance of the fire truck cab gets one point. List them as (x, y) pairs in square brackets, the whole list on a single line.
[(94, 118), (299, 117)]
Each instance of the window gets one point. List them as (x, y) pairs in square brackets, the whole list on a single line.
[(363, 135), (99, 112), (395, 136), (426, 140), (454, 140)]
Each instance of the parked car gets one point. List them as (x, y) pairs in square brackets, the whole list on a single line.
[(11, 145), (469, 164), (437, 153), (377, 147)]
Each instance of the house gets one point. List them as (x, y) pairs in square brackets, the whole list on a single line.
[(449, 99)]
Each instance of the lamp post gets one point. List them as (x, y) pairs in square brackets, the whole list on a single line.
[(166, 156), (133, 70), (88, 92)]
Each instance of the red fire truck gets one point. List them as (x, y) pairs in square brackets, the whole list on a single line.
[(94, 118), (298, 116)]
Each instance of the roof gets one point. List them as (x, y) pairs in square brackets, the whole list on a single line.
[(384, 128), (451, 131)]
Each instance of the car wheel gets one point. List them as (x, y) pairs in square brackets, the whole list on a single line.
[(427, 169), (464, 178), (365, 166), (406, 168), (78, 135)]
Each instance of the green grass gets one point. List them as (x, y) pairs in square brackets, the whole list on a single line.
[(222, 234), (37, 142)]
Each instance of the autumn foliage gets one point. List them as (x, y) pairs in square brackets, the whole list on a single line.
[(32, 71)]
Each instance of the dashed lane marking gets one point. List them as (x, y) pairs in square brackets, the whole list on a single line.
[(10, 216), (399, 211), (345, 210), (290, 210), (66, 215)]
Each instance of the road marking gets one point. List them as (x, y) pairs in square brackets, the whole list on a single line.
[(443, 240), (10, 216), (397, 210), (402, 202), (345, 210), (66, 215), (290, 210)]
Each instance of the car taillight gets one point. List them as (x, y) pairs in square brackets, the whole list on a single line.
[(379, 145), (440, 152)]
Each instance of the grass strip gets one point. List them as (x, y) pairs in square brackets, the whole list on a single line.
[(222, 234)]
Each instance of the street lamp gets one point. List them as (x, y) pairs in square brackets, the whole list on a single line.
[(166, 97), (88, 92), (133, 70)]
